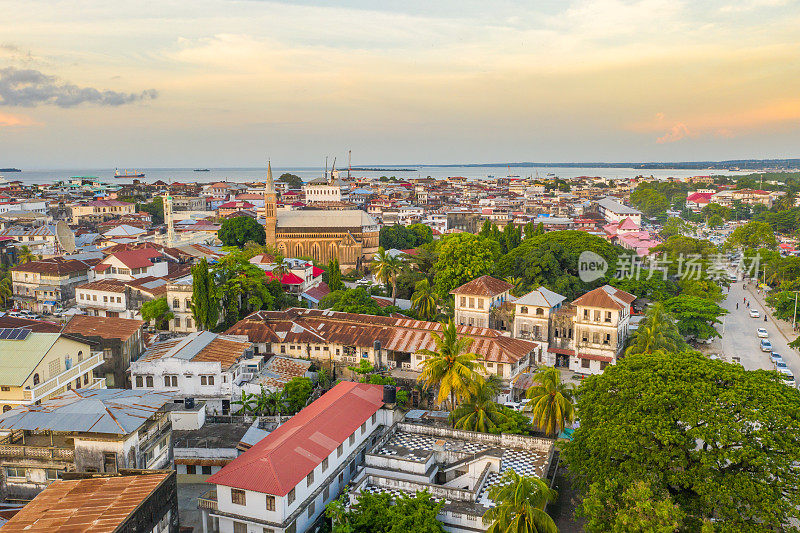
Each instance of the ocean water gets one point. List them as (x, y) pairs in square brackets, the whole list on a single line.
[(309, 173)]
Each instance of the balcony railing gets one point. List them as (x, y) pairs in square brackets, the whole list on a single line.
[(208, 500), (37, 452), (63, 379)]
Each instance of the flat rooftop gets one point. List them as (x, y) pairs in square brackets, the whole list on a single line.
[(211, 436)]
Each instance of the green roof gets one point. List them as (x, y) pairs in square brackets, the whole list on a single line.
[(18, 359)]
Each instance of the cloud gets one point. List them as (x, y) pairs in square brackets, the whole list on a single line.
[(676, 133), (8, 120), (30, 88)]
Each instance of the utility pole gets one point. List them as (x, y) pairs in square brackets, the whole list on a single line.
[(794, 318)]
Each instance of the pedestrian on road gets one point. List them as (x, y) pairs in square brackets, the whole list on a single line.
[(737, 305), (744, 300), (748, 305), (765, 317)]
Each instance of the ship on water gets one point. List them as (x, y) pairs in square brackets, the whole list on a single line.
[(201, 170), (127, 174)]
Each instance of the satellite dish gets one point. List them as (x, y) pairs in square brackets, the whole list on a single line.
[(65, 237)]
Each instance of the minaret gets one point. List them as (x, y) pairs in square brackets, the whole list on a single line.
[(270, 218), (169, 219)]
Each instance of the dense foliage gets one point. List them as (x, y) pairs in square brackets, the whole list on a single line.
[(239, 230), (463, 257), (404, 237), (721, 442), (383, 513)]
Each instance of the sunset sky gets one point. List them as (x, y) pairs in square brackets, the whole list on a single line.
[(230, 83)]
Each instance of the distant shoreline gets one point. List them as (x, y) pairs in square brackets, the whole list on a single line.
[(10, 170)]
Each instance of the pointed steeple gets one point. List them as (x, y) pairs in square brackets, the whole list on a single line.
[(269, 185)]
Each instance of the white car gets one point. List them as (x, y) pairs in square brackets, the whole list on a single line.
[(754, 313), (762, 333), (787, 377), (512, 405)]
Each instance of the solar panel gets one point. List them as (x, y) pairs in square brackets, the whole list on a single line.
[(14, 334)]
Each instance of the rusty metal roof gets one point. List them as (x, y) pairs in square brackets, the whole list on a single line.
[(316, 326), (96, 505)]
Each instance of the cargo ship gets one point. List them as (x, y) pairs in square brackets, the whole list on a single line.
[(127, 174)]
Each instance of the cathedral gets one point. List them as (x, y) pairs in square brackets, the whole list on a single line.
[(351, 236)]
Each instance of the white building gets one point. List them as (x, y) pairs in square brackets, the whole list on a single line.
[(127, 265), (105, 297), (283, 483), (317, 193), (613, 211), (475, 300), (202, 365), (532, 314)]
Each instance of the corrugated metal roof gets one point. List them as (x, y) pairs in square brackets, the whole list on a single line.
[(115, 411), (19, 358), (284, 457)]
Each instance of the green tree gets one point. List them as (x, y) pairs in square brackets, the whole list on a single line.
[(335, 275), (294, 181), (296, 393), (656, 333), (386, 268), (355, 300), (239, 230), (157, 311), (382, 513), (424, 301), (715, 221), (651, 285), (6, 291), (205, 303), (519, 505), (247, 402), (783, 304), (242, 288), (612, 508), (155, 208), (754, 234), (674, 226), (462, 258), (25, 255), (723, 441), (695, 316), (404, 237), (551, 401), (552, 260), (479, 412), (450, 367)]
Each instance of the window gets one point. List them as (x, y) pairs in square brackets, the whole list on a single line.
[(139, 381), (191, 469), (5, 388), (339, 450), (363, 428), (290, 497), (270, 503), (80, 355), (206, 380), (149, 381), (176, 304), (189, 323), (15, 472), (499, 369), (238, 497), (170, 381), (311, 509), (523, 310), (463, 301), (324, 464), (374, 417), (310, 479), (177, 322), (86, 379), (585, 363), (352, 467), (35, 379), (6, 408), (206, 470), (341, 478), (472, 303), (239, 527), (480, 303), (188, 303), (326, 493), (352, 439), (608, 316), (52, 473), (586, 314), (607, 340), (603, 365)]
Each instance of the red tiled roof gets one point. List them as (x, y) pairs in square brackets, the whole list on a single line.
[(483, 286), (316, 271), (287, 279), (282, 459), (593, 357), (607, 297), (140, 258)]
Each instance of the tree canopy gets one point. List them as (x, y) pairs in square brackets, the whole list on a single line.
[(552, 260), (356, 300), (383, 513), (721, 441), (695, 316), (158, 311), (754, 234), (404, 237), (239, 230), (462, 258), (294, 181)]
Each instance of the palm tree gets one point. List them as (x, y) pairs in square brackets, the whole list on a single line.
[(25, 255), (424, 301), (450, 366), (480, 412), (6, 291), (520, 503), (270, 403), (550, 401), (517, 283), (386, 267), (657, 332)]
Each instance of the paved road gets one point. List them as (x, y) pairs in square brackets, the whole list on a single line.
[(739, 334)]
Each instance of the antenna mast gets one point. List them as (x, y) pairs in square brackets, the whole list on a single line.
[(349, 154)]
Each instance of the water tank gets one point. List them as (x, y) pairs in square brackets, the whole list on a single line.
[(389, 394), (189, 403)]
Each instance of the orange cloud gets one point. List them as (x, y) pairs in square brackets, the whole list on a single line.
[(676, 133), (7, 120)]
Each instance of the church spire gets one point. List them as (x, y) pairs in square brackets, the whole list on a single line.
[(270, 207)]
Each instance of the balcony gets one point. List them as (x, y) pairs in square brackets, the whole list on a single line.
[(37, 447), (208, 500), (67, 377)]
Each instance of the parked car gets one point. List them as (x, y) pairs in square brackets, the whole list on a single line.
[(512, 405), (762, 333), (14, 314), (754, 313), (781, 365), (788, 377), (775, 357), (766, 346)]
